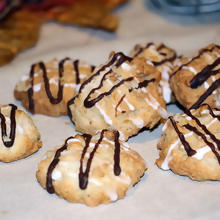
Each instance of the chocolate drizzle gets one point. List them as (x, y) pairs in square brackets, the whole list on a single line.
[(211, 112), (141, 49), (12, 126), (206, 94), (202, 76), (190, 152), (117, 168), (84, 175), (211, 145), (199, 133), (157, 63), (196, 57), (92, 68), (144, 83), (206, 72), (90, 103), (55, 161), (117, 59), (59, 97), (120, 101), (76, 67), (203, 127)]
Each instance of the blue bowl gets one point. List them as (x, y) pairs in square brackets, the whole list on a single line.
[(188, 6)]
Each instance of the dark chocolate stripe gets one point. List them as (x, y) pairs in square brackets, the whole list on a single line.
[(171, 59), (30, 90), (117, 168), (206, 72), (206, 94), (76, 68), (141, 49), (116, 59), (211, 145), (212, 136), (92, 68), (53, 164), (46, 83), (90, 103), (120, 101), (211, 111), (12, 127), (196, 57), (190, 152), (84, 175), (144, 83)]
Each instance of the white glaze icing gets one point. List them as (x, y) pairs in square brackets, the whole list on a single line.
[(20, 129), (56, 175), (82, 76), (200, 153), (94, 181), (105, 116), (165, 72), (165, 126), (112, 195), (123, 178), (138, 122), (131, 107), (53, 81), (165, 164), (149, 62), (166, 91), (72, 140), (73, 85), (191, 69), (206, 85), (37, 87), (126, 66), (121, 137)]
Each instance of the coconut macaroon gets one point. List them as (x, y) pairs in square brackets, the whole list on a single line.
[(19, 136), (197, 81), (122, 95), (164, 59), (49, 86), (190, 144), (91, 169)]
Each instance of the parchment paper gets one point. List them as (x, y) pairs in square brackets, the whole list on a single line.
[(159, 195)]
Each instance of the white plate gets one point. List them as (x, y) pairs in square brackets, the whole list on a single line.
[(159, 195)]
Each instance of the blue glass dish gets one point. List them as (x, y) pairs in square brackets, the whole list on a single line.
[(188, 6)]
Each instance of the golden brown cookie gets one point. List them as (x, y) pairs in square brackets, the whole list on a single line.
[(91, 169), (197, 81), (19, 136), (122, 94), (51, 85), (190, 144), (163, 58), (19, 31)]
